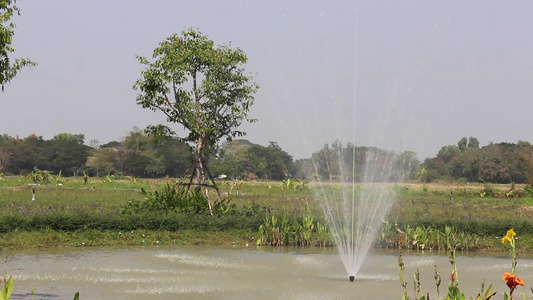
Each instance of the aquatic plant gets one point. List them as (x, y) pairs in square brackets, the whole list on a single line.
[(292, 231), (511, 279), (7, 289)]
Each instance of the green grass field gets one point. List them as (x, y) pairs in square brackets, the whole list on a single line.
[(67, 213)]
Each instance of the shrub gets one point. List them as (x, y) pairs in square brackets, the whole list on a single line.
[(171, 198)]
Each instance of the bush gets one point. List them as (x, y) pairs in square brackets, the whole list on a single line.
[(169, 199)]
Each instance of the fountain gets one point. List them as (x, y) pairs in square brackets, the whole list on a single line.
[(355, 211)]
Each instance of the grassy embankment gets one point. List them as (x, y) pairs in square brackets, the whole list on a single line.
[(74, 214)]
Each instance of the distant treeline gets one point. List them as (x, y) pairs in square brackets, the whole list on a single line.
[(139, 155), (496, 163)]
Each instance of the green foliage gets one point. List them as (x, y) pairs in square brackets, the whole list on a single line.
[(200, 86), (270, 162), (220, 96), (422, 175), (429, 238), (142, 155), (9, 70), (447, 153), (171, 198), (5, 159), (308, 227), (511, 279), (292, 184), (243, 219), (103, 161), (486, 294), (495, 163), (26, 154), (232, 159), (288, 230), (322, 235), (68, 137), (240, 158), (58, 154), (455, 294), (528, 191), (337, 163), (144, 166), (38, 176), (137, 155), (7, 290), (470, 221), (175, 199)]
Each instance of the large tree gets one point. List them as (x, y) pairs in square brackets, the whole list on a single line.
[(8, 69), (67, 153), (103, 161), (200, 86), (141, 155)]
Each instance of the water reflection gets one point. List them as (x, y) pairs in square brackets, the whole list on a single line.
[(238, 273)]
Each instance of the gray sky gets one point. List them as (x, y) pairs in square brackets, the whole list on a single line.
[(399, 75)]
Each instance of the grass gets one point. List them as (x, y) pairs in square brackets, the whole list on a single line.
[(49, 238), (437, 205), (69, 213)]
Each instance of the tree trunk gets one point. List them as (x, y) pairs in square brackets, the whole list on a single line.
[(199, 176)]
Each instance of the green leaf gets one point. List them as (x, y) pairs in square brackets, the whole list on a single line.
[(8, 289), (77, 296), (488, 293), (455, 294)]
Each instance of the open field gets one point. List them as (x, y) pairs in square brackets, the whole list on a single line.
[(67, 212)]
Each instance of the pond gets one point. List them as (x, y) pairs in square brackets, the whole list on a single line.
[(200, 272)]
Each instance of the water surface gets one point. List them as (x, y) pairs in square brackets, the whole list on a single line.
[(199, 272)]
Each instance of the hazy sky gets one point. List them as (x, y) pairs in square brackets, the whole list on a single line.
[(400, 75)]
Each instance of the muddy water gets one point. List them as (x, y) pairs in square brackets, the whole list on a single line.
[(238, 273)]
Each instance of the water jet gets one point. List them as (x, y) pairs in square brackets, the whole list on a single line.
[(355, 210)]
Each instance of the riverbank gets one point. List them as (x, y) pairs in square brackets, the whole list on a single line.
[(46, 239)]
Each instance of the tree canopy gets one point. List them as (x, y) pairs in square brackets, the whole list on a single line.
[(496, 163), (197, 85), (351, 163), (240, 158), (9, 69)]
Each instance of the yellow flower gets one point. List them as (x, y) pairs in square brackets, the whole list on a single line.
[(509, 236)]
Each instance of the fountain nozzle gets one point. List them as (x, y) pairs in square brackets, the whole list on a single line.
[(352, 278)]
